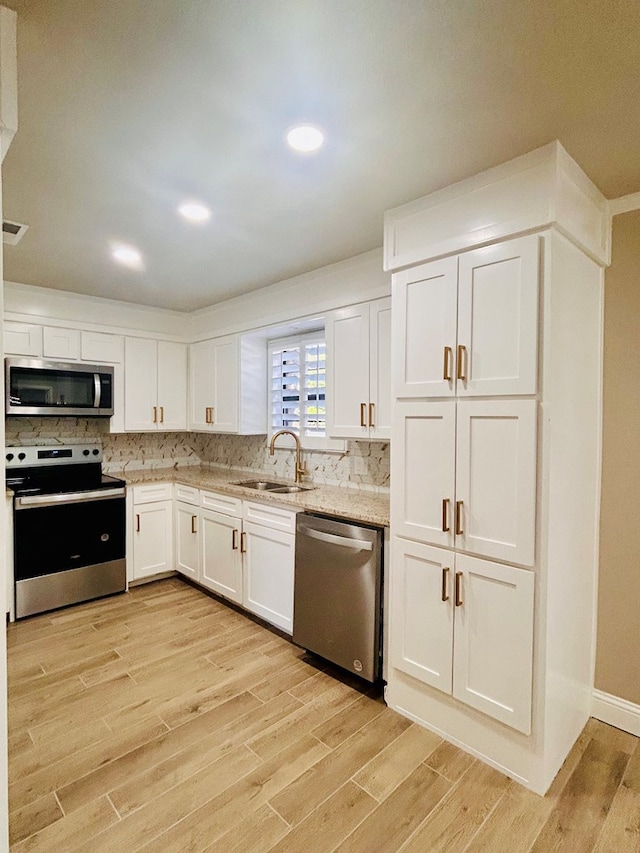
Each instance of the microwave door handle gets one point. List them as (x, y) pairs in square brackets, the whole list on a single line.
[(97, 390)]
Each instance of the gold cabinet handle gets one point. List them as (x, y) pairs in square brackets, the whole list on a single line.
[(234, 539), (445, 513), (446, 365), (155, 414), (363, 414), (243, 543), (213, 420), (459, 530), (161, 414), (445, 577), (137, 523), (458, 589), (461, 372), (372, 408), (193, 523), (206, 415)]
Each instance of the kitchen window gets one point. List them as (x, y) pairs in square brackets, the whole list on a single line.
[(297, 388)]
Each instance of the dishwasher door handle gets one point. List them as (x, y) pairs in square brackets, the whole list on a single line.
[(343, 541)]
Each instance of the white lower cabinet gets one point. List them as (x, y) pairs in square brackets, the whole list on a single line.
[(152, 530), (465, 626), (243, 551), (268, 571), (221, 560)]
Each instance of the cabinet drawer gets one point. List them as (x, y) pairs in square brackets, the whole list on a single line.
[(267, 515), (152, 492), (187, 494), (221, 503)]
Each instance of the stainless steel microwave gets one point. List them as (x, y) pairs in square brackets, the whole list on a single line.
[(55, 388)]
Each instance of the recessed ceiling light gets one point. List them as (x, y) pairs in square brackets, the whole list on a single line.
[(128, 256), (305, 138), (194, 211)]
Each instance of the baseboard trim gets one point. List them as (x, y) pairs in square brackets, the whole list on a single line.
[(617, 712)]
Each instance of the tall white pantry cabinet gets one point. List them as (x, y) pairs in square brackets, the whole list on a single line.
[(495, 458)]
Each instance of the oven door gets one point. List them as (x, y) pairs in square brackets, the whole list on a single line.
[(68, 548)]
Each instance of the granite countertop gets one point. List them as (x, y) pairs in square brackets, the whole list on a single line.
[(355, 504)]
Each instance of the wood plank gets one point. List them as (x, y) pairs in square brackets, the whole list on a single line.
[(33, 817), (389, 825), (577, 818), (330, 823), (258, 832), (70, 830), (348, 721), (621, 829), (301, 797), (391, 766), (455, 821), (450, 761)]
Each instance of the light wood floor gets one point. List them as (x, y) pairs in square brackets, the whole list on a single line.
[(161, 720)]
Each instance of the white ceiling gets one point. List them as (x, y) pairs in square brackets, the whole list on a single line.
[(126, 107)]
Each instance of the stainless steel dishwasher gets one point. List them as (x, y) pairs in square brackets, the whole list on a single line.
[(337, 593)]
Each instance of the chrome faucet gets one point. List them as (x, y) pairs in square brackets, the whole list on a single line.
[(300, 468)]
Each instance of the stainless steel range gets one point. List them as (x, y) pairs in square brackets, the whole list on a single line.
[(69, 526)]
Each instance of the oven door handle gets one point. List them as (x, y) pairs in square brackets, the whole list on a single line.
[(68, 498)]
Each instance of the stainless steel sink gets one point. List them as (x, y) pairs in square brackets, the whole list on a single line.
[(274, 488)]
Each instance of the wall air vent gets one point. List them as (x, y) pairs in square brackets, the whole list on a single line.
[(12, 232)]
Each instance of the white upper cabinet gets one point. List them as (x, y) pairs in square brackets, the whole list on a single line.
[(468, 325), (465, 476), (228, 385), (22, 339), (61, 344), (358, 371), (155, 385)]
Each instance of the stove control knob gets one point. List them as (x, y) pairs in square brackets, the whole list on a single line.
[(85, 452), (95, 451), (22, 456), (9, 457)]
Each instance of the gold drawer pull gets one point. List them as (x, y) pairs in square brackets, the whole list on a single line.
[(234, 539), (446, 366), (243, 543), (462, 363), (371, 411), (161, 414), (445, 513), (458, 589), (193, 523), (445, 575), (459, 530), (363, 414), (137, 523), (155, 414)]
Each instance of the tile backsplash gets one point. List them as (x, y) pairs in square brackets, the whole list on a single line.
[(363, 464)]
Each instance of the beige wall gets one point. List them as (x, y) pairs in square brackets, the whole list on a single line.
[(618, 649)]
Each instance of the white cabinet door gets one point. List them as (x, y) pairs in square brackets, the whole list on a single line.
[(220, 558), (498, 318), (225, 379), (347, 337), (268, 574), (100, 348), (60, 344), (22, 339), (380, 369), (424, 329), (187, 540), (201, 385), (152, 539), (423, 462), (141, 385), (422, 612), (172, 386), (493, 658), (496, 479)]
